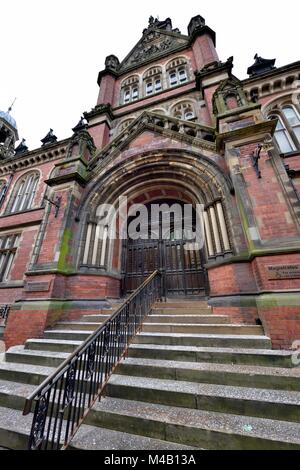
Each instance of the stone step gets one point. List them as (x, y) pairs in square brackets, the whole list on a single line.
[(18, 354), (200, 319), (95, 318), (262, 357), (52, 345), (182, 311), (77, 326), (68, 335), (24, 373), (219, 374), (271, 404), (211, 329), (14, 394), (95, 438), (109, 311), (202, 429), (172, 303), (14, 429), (230, 341)]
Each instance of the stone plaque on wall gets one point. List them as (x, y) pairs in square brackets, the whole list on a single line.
[(37, 286), (284, 271)]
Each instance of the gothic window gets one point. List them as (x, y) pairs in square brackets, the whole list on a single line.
[(23, 194), (8, 247), (177, 71), (130, 90), (184, 111), (153, 80)]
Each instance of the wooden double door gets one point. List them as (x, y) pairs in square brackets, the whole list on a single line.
[(180, 261)]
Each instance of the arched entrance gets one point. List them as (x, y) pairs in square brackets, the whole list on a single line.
[(165, 242), (176, 175)]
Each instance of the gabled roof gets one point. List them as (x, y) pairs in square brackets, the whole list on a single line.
[(230, 82), (154, 44)]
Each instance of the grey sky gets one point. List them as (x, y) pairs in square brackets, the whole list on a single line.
[(52, 51)]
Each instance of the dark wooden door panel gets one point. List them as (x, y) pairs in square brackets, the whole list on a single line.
[(183, 269)]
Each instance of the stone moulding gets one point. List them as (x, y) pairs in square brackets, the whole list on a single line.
[(149, 121), (36, 157)]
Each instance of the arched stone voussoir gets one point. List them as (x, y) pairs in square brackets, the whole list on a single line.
[(202, 173)]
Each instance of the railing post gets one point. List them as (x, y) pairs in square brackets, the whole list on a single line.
[(4, 311)]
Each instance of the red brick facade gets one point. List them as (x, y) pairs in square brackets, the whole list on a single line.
[(142, 144)]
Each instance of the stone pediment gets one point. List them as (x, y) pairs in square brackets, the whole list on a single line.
[(154, 43)]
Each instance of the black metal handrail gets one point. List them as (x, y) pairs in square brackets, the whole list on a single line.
[(4, 311), (63, 400)]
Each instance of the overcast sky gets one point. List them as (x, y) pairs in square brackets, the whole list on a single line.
[(52, 51)]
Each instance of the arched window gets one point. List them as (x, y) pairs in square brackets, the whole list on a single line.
[(287, 133), (282, 136), (23, 194), (177, 71), (184, 111), (153, 80), (293, 121), (130, 90)]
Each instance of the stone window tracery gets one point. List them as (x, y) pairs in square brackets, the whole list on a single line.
[(184, 111)]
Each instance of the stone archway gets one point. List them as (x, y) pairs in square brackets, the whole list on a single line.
[(177, 175)]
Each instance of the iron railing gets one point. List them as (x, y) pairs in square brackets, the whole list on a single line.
[(63, 400), (4, 311)]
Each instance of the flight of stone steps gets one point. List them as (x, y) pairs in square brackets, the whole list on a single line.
[(191, 380)]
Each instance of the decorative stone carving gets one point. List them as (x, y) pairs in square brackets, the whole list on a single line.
[(152, 44), (195, 23), (49, 139), (22, 148), (229, 95), (155, 41), (261, 66), (112, 62)]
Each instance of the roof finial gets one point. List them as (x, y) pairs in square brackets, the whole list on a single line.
[(11, 106)]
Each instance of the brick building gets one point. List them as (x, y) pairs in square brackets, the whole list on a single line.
[(172, 123)]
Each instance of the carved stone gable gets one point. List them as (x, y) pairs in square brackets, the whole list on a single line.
[(153, 43)]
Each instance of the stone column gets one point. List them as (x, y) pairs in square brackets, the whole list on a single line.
[(223, 226), (208, 235), (215, 230)]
